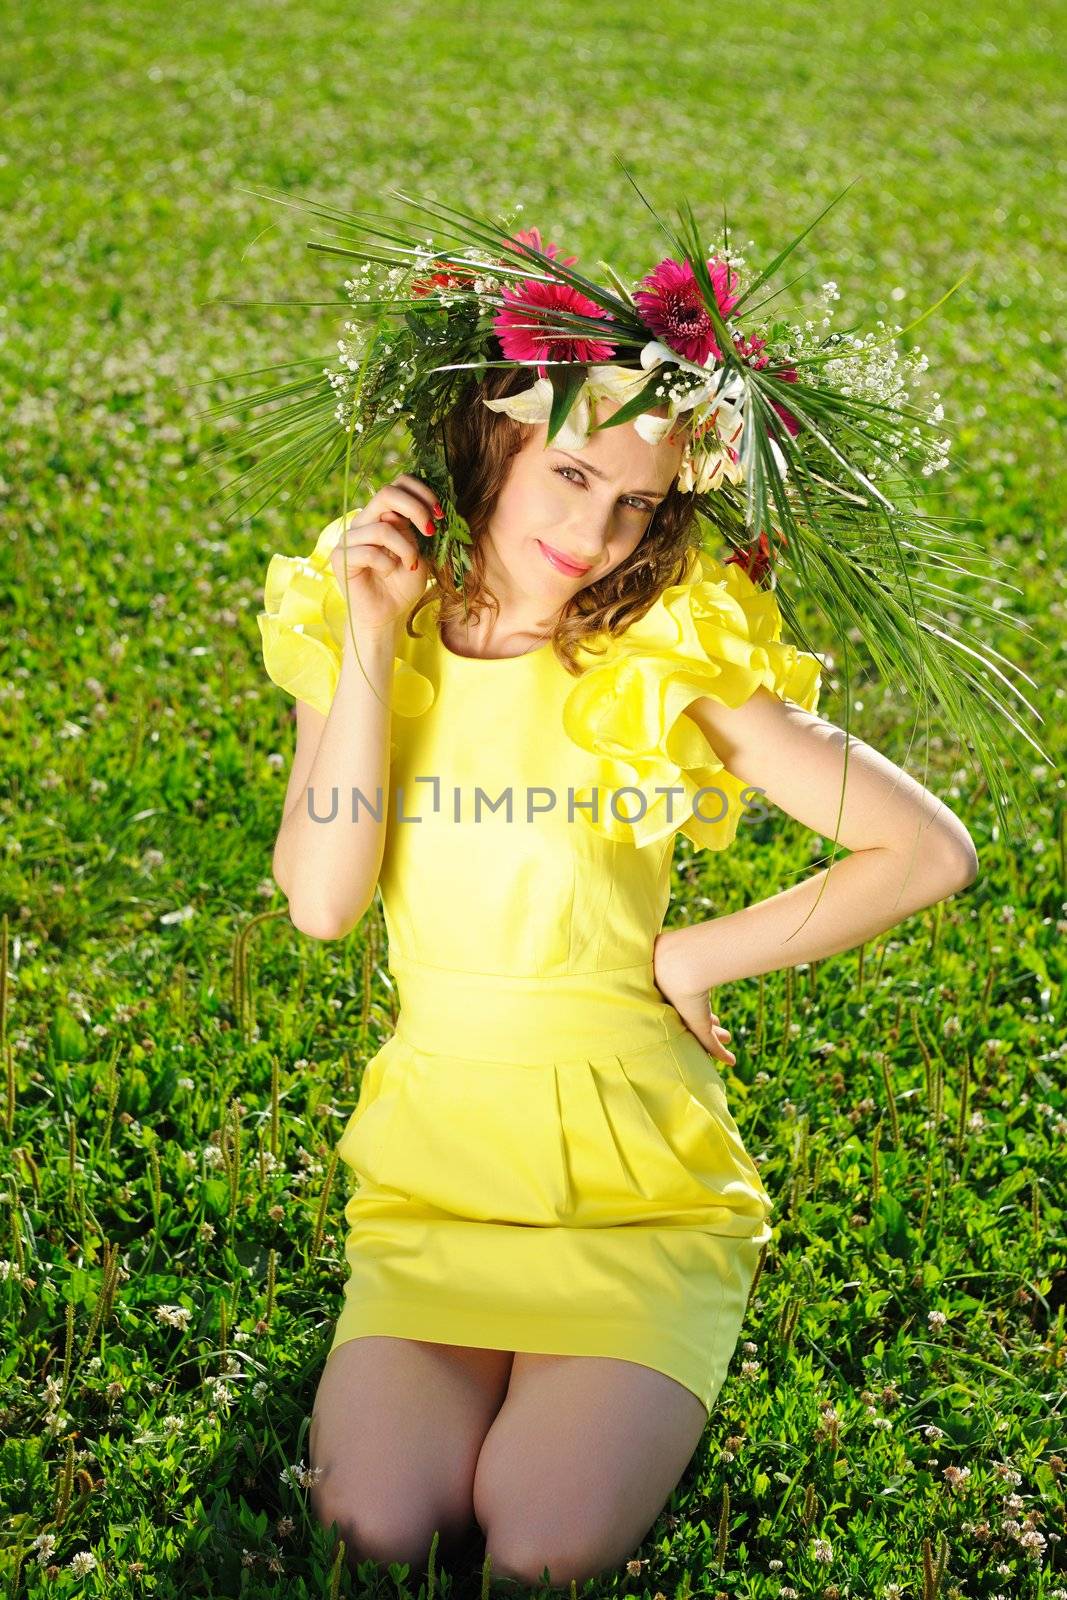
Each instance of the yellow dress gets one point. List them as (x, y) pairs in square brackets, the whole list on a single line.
[(542, 1152)]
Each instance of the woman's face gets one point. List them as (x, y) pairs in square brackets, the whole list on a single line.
[(559, 525)]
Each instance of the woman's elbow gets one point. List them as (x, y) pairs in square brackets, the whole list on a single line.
[(320, 923), (955, 858)]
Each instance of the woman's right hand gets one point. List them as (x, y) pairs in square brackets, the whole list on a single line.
[(381, 567)]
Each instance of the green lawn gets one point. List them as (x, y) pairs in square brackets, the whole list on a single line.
[(179, 1060)]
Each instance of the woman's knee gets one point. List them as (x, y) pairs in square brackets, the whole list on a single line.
[(385, 1529), (522, 1556), (395, 1433)]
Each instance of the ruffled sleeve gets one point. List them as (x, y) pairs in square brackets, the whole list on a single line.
[(302, 631), (716, 634)]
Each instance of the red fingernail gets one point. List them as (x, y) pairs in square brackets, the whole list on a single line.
[(438, 510), (429, 526)]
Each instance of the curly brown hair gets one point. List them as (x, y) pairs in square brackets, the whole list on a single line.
[(480, 445)]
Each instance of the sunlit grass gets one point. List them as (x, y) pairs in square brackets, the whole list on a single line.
[(178, 1061)]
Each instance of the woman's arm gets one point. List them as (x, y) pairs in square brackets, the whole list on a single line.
[(908, 849), (328, 868), (329, 850)]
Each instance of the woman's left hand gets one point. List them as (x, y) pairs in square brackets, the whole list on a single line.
[(675, 984)]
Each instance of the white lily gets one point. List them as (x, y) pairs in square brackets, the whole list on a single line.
[(711, 401), (702, 470), (705, 464), (534, 405), (655, 354), (614, 382), (779, 457)]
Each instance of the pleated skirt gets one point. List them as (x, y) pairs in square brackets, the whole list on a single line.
[(549, 1164)]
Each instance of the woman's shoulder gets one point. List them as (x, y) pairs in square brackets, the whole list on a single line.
[(713, 622), (301, 627), (712, 633)]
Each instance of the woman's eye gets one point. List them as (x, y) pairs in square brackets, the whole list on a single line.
[(635, 505)]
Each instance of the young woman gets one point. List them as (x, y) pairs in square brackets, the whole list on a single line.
[(555, 1224)]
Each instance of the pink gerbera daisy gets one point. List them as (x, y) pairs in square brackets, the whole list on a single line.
[(532, 236), (533, 301), (672, 306)]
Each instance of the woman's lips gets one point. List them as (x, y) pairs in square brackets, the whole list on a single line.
[(560, 562)]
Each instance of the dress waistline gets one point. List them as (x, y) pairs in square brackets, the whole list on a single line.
[(531, 1018)]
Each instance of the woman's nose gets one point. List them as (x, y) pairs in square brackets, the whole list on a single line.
[(588, 535)]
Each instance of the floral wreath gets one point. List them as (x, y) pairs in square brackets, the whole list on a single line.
[(802, 447)]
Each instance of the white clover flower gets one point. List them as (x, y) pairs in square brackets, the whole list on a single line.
[(82, 1563), (174, 1316), (300, 1476), (183, 914), (44, 1544)]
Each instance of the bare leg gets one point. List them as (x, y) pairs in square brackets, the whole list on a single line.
[(579, 1462), (396, 1428)]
